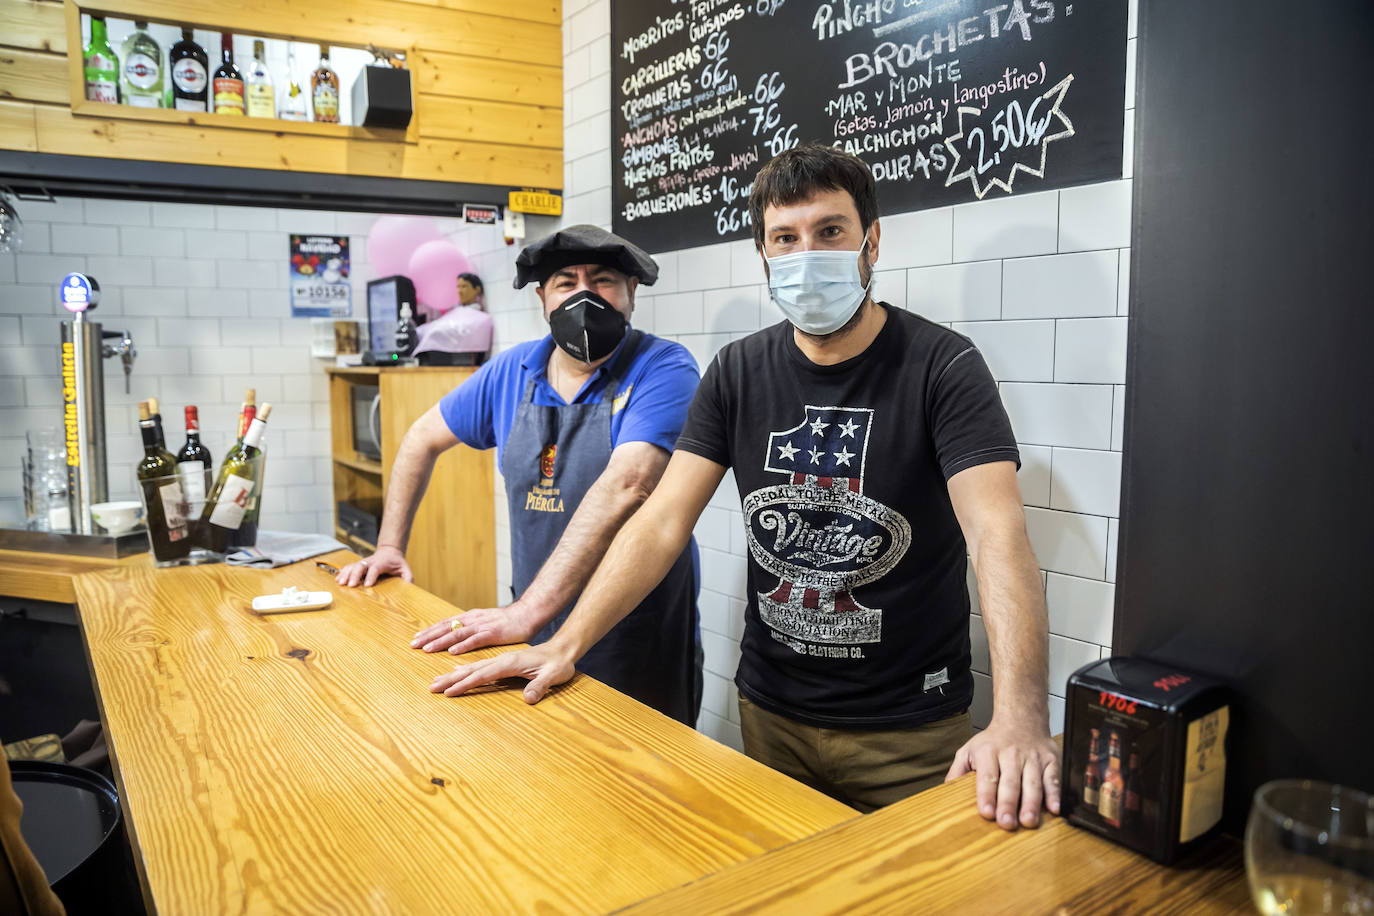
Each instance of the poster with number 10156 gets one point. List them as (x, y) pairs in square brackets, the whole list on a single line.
[(319, 269)]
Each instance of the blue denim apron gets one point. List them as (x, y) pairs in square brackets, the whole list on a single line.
[(551, 458)]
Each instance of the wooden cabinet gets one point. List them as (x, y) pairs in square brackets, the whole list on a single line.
[(452, 547)]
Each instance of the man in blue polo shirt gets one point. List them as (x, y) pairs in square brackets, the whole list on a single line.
[(583, 422)]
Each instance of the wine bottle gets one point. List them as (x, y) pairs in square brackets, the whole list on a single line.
[(190, 74), (163, 499), (142, 75), (194, 462), (228, 80), (101, 65), (261, 101), (236, 486)]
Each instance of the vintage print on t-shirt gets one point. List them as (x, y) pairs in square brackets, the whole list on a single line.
[(821, 536)]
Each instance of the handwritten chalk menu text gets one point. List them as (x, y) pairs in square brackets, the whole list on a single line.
[(948, 101)]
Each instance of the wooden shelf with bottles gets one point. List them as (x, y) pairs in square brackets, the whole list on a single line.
[(486, 82), (82, 107), (452, 548)]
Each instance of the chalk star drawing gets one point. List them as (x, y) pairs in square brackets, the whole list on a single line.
[(1057, 91)]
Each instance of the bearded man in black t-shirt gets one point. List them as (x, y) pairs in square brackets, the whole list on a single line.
[(873, 457)]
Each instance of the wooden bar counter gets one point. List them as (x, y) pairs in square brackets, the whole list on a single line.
[(933, 853), (296, 763)]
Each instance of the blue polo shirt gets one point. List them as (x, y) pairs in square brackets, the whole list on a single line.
[(651, 405)]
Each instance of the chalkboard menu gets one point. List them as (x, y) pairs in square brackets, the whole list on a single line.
[(948, 101)]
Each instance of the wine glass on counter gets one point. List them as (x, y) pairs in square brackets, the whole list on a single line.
[(1309, 848)]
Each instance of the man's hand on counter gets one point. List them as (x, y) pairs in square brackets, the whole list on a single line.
[(1017, 767), (474, 629), (544, 666), (386, 561)]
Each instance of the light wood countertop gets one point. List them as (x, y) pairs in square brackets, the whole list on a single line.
[(933, 853), (296, 763), (48, 576)]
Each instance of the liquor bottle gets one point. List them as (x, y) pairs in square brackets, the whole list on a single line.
[(1110, 803), (163, 498), (406, 336), (228, 80), (1132, 792), (101, 65), (194, 462), (190, 74), (324, 90), (293, 96), (236, 486), (246, 535), (262, 101), (1092, 776), (142, 79)]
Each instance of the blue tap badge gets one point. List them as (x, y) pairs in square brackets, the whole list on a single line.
[(78, 292)]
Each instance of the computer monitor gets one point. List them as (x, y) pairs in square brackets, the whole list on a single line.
[(384, 300)]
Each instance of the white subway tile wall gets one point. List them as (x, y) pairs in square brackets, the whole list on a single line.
[(1038, 281), (203, 290)]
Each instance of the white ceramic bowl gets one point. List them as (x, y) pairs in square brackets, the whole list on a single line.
[(117, 517)]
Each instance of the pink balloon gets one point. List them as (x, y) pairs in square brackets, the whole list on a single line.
[(434, 269), (394, 239)]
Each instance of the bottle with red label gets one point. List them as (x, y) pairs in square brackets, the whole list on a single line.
[(190, 74), (101, 65), (228, 83)]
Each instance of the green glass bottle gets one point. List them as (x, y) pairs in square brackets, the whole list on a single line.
[(236, 489), (101, 65), (163, 500)]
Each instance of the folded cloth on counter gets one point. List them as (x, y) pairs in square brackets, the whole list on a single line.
[(278, 548)]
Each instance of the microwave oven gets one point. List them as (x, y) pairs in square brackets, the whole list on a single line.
[(367, 421)]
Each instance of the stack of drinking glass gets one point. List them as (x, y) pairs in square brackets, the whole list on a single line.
[(46, 504)]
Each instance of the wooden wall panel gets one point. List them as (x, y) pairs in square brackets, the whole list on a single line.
[(37, 26), (548, 11), (385, 23), (435, 160), (449, 74), (17, 127), (471, 119), (487, 78), (33, 76)]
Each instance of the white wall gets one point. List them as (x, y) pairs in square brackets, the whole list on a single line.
[(1037, 280), (204, 291)]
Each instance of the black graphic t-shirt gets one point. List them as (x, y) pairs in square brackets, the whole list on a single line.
[(858, 607)]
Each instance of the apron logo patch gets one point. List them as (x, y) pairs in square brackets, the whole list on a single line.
[(544, 497), (546, 458)]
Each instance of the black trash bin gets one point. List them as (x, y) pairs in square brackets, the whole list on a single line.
[(73, 825)]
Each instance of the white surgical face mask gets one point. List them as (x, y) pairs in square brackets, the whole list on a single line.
[(818, 291)]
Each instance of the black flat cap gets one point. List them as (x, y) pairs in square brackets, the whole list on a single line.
[(583, 244)]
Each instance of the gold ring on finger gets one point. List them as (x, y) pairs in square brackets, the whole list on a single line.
[(456, 625)]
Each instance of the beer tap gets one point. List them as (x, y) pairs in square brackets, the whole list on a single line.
[(124, 350)]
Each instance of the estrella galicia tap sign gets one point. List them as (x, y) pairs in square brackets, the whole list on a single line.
[(948, 101)]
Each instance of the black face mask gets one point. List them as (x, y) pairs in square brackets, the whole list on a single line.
[(587, 327)]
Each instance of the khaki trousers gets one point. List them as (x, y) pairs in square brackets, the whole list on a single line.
[(864, 769)]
